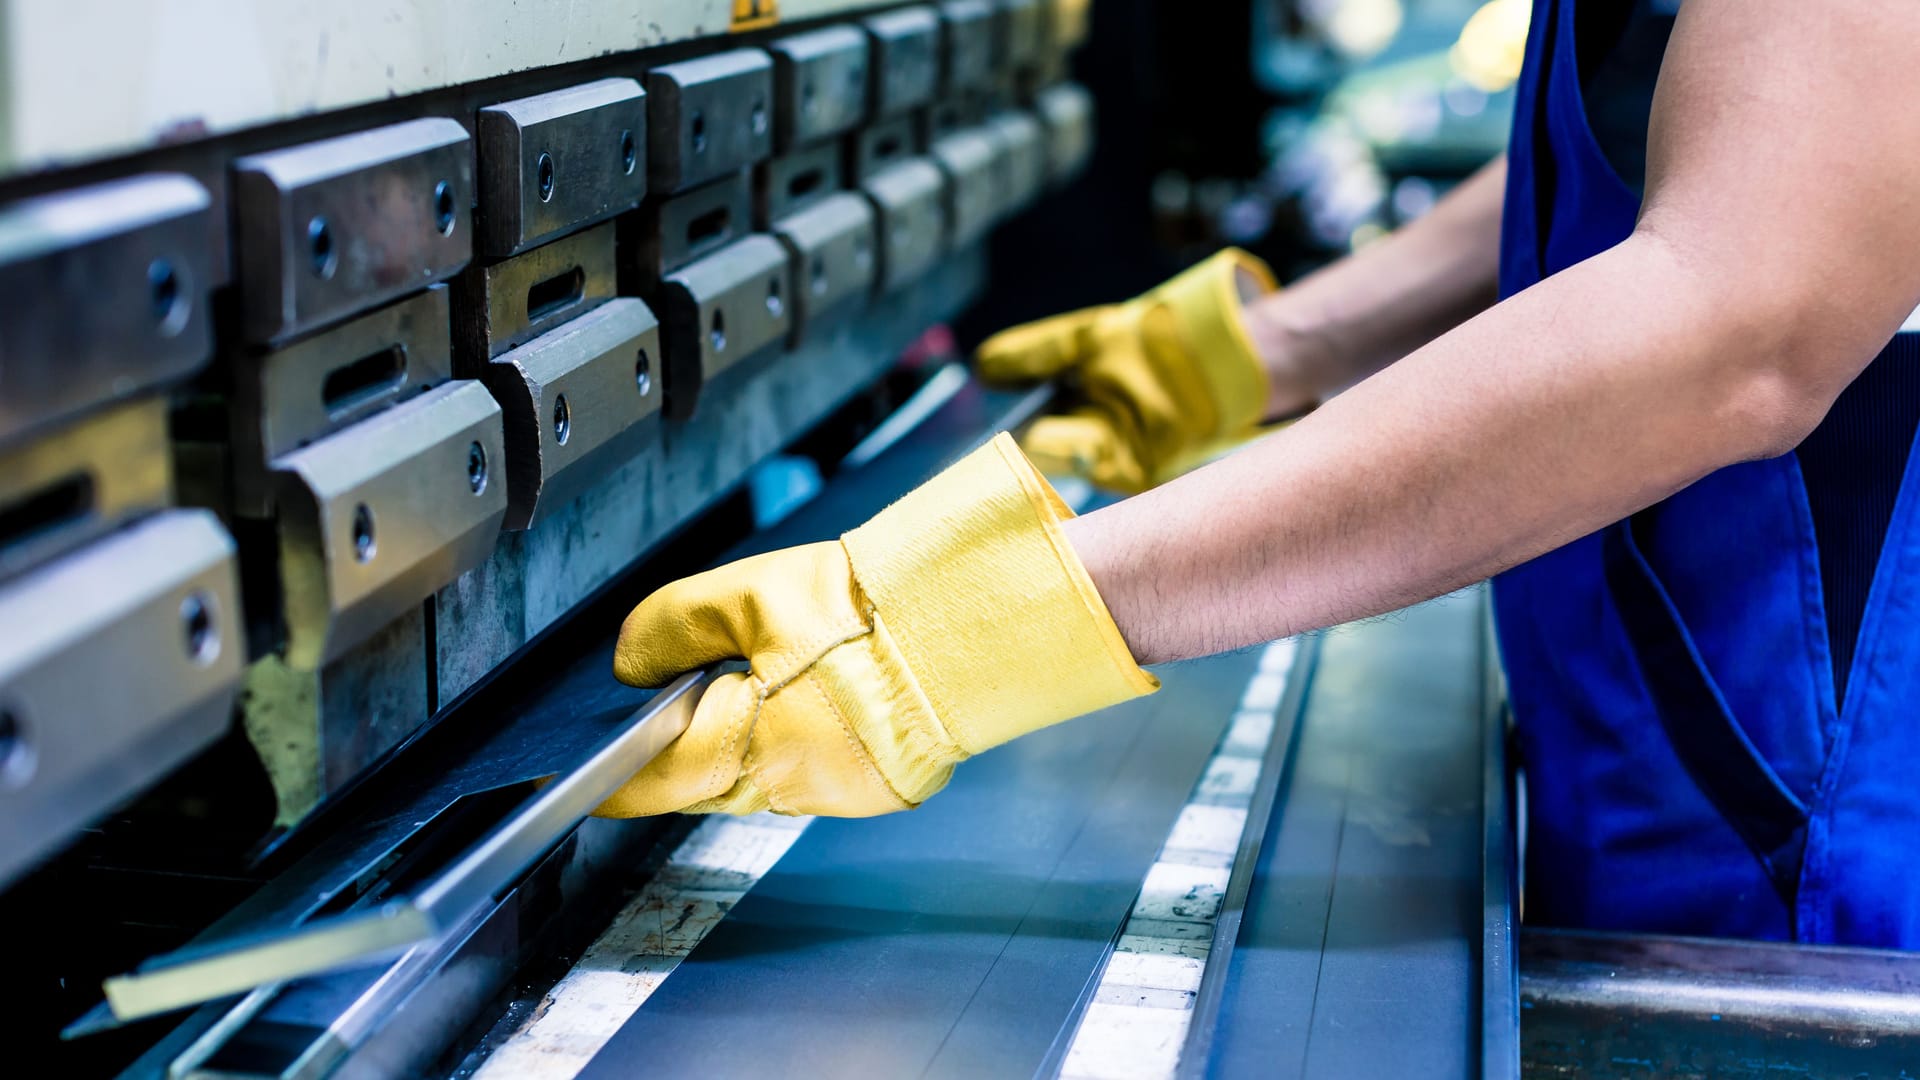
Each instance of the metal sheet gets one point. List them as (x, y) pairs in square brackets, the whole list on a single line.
[(707, 118), (74, 744), (220, 967), (957, 940), (557, 161), (138, 254), (573, 400), (819, 84), (1359, 951), (328, 228)]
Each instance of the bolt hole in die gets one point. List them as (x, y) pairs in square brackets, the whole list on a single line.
[(643, 373), (168, 292), (802, 184), (197, 624), (774, 304), (320, 250), (629, 153), (697, 131), (543, 176), (759, 118), (16, 750), (476, 467), (444, 208), (363, 542), (817, 276), (373, 376), (717, 331), (562, 420)]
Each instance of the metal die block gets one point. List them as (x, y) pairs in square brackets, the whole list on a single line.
[(122, 662), (832, 246), (373, 519), (1024, 168), (905, 59), (103, 294), (513, 301), (336, 226), (886, 143), (819, 85), (1023, 35), (679, 230), (792, 182), (719, 311), (909, 200), (572, 400), (92, 476), (557, 161), (708, 117), (287, 398), (966, 46), (1066, 113), (971, 160)]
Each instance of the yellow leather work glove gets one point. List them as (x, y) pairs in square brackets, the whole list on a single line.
[(1169, 379), (956, 619)]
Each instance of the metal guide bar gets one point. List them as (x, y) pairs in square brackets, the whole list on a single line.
[(213, 969), (1226, 930), (1359, 952)]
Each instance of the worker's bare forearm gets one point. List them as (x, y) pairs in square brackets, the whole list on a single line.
[(1355, 316), (1761, 279)]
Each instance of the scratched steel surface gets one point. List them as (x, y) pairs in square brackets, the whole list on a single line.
[(1359, 953), (961, 939)]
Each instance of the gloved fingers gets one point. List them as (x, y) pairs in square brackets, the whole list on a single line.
[(702, 769), (1038, 350), (1085, 443), (754, 609)]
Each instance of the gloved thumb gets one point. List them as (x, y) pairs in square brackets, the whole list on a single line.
[(1038, 350), (701, 770), (1084, 443)]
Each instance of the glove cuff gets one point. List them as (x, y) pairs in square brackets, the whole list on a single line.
[(1205, 300), (989, 605)]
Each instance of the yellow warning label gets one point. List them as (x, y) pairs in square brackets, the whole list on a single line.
[(754, 14)]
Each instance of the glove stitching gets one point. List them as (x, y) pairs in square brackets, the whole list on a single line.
[(750, 717), (860, 752), (818, 646), (938, 709)]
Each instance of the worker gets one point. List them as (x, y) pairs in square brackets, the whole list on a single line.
[(1644, 372)]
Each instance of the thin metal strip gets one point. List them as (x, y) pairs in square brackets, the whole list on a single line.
[(213, 970), (1273, 771), (1499, 971)]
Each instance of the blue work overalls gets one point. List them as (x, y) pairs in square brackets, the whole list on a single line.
[(1718, 700)]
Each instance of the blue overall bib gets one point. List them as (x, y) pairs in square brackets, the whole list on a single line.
[(1718, 699)]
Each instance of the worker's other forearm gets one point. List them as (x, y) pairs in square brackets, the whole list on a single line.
[(1355, 316), (1569, 406)]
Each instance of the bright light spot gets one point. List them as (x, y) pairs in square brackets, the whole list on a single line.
[(1359, 28), (1492, 45)]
